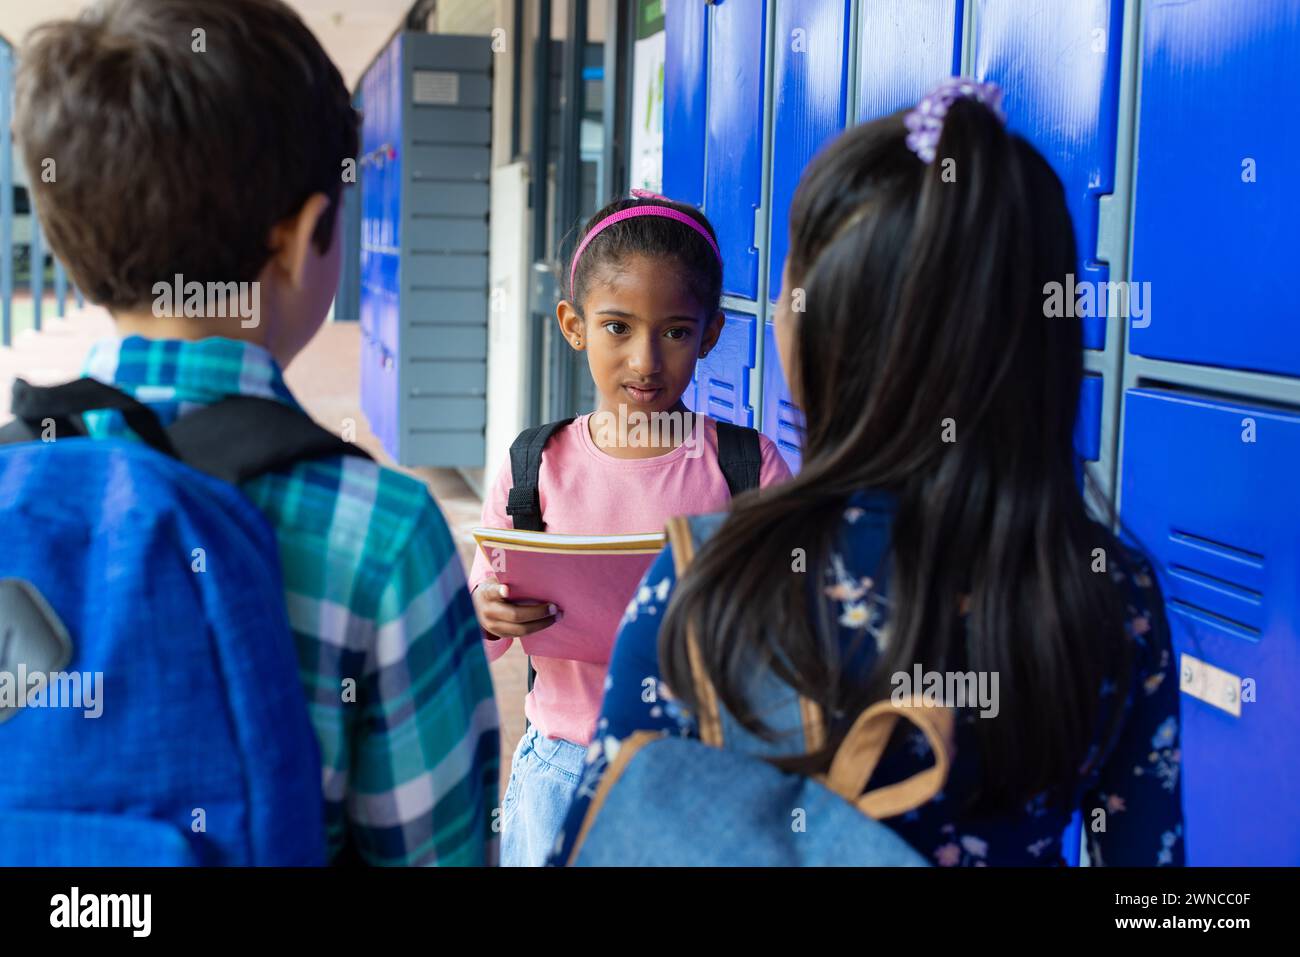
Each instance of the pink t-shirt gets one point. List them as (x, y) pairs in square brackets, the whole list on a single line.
[(586, 491)]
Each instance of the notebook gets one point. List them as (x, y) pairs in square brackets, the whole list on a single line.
[(591, 577)]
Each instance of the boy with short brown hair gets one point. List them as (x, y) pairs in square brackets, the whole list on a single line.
[(201, 144)]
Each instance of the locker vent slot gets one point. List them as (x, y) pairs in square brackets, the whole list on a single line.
[(1208, 617), (1219, 584), (1230, 552), (787, 429)]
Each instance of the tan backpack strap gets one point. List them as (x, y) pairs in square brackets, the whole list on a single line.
[(860, 752), (814, 724), (678, 530)]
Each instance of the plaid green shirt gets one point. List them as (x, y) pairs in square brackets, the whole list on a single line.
[(376, 593)]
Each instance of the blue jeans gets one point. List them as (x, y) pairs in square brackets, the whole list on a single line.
[(543, 776)]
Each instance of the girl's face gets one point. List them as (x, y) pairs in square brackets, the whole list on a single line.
[(643, 332)]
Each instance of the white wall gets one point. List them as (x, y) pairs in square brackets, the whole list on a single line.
[(509, 347)]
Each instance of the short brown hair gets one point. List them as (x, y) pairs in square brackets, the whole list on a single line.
[(170, 160)]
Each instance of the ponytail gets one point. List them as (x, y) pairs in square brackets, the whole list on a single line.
[(926, 367)]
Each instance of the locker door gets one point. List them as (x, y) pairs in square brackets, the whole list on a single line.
[(1058, 64), (1087, 428), (733, 149), (782, 422), (374, 380), (1216, 206), (390, 161), (381, 193), (905, 47), (722, 379), (379, 389), (1209, 491), (447, 131), (690, 397), (369, 374), (685, 81), (811, 88), (366, 189)]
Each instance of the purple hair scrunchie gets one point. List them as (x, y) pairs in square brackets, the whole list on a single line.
[(925, 121)]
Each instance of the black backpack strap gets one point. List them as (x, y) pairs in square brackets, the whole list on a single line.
[(525, 505), (234, 440), (242, 437), (63, 404), (739, 457)]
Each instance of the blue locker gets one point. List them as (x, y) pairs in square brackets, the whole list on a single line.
[(347, 305), (689, 397), (390, 262), (379, 183), (905, 48), (1218, 78), (782, 421), (685, 62), (1087, 427), (733, 149), (1217, 514), (811, 88), (426, 148), (810, 63), (722, 379), (1058, 64), (379, 379)]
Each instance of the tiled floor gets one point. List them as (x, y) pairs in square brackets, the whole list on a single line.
[(326, 380)]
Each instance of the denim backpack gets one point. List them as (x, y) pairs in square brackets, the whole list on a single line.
[(673, 801), (151, 710)]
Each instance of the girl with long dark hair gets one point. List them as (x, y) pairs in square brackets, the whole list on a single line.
[(940, 403)]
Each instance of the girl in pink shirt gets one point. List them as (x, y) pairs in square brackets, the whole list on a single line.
[(645, 288)]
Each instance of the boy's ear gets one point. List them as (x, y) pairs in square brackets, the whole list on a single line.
[(711, 333), (570, 324), (291, 237)]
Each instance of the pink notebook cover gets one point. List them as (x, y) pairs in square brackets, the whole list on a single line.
[(593, 589)]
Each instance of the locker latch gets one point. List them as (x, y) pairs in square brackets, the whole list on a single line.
[(1210, 684), (1112, 223)]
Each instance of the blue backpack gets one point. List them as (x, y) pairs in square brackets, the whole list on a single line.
[(672, 801), (151, 710)]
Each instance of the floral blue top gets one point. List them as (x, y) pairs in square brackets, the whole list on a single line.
[(1131, 804)]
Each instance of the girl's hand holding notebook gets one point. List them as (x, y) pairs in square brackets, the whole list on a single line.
[(563, 596), (502, 618)]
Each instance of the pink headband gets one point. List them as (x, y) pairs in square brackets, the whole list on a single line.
[(647, 210)]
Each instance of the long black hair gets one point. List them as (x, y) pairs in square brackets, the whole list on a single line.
[(923, 295)]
